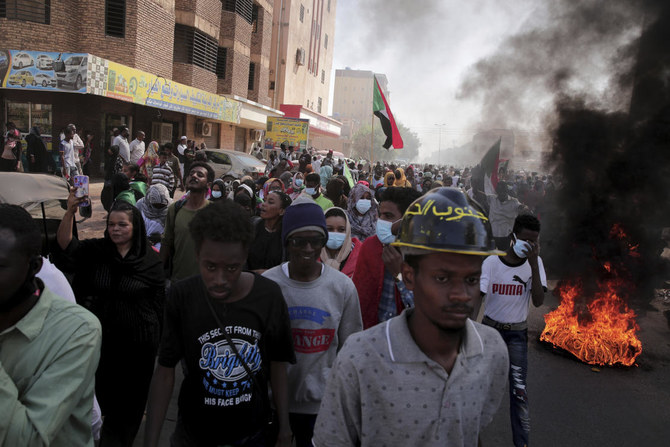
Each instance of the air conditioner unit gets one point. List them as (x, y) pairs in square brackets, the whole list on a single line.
[(300, 56), (205, 129)]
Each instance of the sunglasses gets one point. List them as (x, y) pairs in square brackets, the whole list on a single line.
[(301, 242)]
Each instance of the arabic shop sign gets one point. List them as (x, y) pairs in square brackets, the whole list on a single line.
[(290, 131), (128, 84)]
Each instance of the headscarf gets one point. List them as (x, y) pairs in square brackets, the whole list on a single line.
[(222, 188), (149, 159), (144, 263), (294, 191), (402, 181), (266, 186), (346, 248), (286, 179), (366, 225), (387, 181), (157, 193), (325, 173)]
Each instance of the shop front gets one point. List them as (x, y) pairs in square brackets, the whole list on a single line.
[(324, 132)]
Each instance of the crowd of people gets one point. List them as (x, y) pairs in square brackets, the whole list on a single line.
[(348, 290)]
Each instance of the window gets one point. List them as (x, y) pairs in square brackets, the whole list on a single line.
[(244, 8), (318, 105), (323, 76), (252, 75), (115, 18), (272, 85), (221, 60), (38, 11), (325, 41), (302, 13), (328, 5), (254, 18), (192, 46)]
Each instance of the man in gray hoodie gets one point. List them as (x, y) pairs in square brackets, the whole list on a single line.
[(323, 308)]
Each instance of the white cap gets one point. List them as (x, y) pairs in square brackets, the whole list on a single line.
[(184, 138)]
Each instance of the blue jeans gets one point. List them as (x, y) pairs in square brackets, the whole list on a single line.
[(517, 346)]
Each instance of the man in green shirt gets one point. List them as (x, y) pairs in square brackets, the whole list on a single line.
[(177, 246), (49, 347), (312, 188)]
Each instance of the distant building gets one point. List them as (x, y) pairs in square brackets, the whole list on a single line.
[(352, 100)]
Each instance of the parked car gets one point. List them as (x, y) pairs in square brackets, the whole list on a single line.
[(71, 72), (22, 60), (44, 80), (44, 62), (230, 165), (22, 78)]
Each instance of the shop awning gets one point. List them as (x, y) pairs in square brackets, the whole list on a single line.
[(318, 124)]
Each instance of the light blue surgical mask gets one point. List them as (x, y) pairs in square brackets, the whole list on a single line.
[(363, 205), (335, 240), (298, 182), (216, 194), (384, 231), (519, 247), (310, 191)]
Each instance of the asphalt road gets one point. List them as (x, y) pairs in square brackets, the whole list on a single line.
[(571, 404)]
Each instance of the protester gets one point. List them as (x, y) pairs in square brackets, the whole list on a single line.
[(177, 169), (181, 149), (120, 279), (362, 212), (214, 322), (154, 207), (503, 209), (113, 163), (39, 159), (137, 180), (218, 190), (400, 179), (162, 174), (312, 188), (49, 347), (85, 153), (381, 290), (510, 283), (267, 248), (177, 247), (136, 147), (149, 159), (297, 186), (430, 376), (325, 173), (68, 158), (324, 311), (120, 186), (389, 179), (342, 249), (335, 192), (272, 184), (122, 141)]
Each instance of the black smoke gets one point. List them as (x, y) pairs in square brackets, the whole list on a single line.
[(605, 67)]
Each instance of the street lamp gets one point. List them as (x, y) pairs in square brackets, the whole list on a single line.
[(439, 141)]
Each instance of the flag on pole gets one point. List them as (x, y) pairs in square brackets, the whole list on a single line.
[(382, 111), (348, 176), (489, 168)]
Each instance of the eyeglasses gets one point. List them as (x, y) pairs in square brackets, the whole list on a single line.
[(301, 242)]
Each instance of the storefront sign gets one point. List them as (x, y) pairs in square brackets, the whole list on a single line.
[(124, 83), (290, 131), (43, 70)]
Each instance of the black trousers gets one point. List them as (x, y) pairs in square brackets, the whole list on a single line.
[(122, 386)]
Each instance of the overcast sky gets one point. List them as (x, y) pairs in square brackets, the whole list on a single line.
[(429, 49)]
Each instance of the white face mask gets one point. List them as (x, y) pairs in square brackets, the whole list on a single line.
[(363, 205), (335, 240), (310, 191), (520, 246), (385, 231)]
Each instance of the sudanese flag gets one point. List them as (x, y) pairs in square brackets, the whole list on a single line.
[(382, 111)]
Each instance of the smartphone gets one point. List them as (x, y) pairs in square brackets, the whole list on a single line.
[(81, 188)]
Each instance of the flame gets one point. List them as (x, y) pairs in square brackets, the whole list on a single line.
[(602, 332)]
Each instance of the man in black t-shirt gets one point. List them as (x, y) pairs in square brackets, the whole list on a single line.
[(219, 402)]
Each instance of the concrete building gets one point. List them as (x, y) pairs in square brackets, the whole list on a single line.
[(352, 101), (199, 68), (301, 63)]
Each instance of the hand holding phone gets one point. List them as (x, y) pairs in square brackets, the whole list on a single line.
[(81, 189)]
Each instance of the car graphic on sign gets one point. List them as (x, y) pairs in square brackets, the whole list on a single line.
[(22, 60), (71, 72), (44, 80), (22, 78), (44, 62)]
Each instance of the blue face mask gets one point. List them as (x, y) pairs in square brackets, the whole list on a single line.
[(363, 205), (519, 247), (384, 232), (298, 182), (216, 194), (310, 191), (335, 240)]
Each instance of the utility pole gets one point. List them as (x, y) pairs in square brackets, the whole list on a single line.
[(439, 142)]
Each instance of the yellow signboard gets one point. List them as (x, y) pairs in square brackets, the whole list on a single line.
[(128, 84), (289, 131)]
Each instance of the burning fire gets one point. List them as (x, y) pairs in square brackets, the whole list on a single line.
[(603, 331)]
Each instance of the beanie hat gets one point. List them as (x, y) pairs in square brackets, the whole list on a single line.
[(304, 214)]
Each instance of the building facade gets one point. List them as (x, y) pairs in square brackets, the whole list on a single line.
[(199, 68), (301, 63), (352, 98)]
